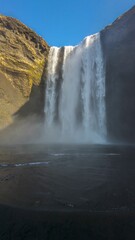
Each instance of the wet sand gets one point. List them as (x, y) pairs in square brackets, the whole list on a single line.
[(67, 192)]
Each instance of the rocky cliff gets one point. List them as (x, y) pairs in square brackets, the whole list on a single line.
[(118, 41), (23, 55)]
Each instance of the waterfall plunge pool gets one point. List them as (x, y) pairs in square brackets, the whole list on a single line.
[(68, 177)]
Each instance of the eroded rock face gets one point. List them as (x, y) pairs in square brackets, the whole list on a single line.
[(23, 55), (118, 42)]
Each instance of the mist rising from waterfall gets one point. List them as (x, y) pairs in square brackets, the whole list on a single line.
[(75, 93)]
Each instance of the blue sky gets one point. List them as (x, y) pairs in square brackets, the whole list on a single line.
[(65, 22)]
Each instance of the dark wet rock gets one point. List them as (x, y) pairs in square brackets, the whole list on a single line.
[(118, 41)]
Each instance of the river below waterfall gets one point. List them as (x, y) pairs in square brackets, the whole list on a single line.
[(65, 177), (67, 192)]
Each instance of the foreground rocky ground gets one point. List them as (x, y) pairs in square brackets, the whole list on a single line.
[(17, 224)]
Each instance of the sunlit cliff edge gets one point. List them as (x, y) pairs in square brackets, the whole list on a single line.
[(23, 55)]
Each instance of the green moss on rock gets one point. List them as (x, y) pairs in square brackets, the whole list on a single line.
[(23, 55)]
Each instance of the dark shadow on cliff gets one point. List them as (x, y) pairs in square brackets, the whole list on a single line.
[(28, 121), (35, 105), (119, 52)]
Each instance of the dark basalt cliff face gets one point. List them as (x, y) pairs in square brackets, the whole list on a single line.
[(118, 42), (23, 55)]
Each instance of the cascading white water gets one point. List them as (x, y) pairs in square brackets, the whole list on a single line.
[(75, 93), (51, 85)]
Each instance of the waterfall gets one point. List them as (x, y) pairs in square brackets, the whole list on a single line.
[(75, 93)]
